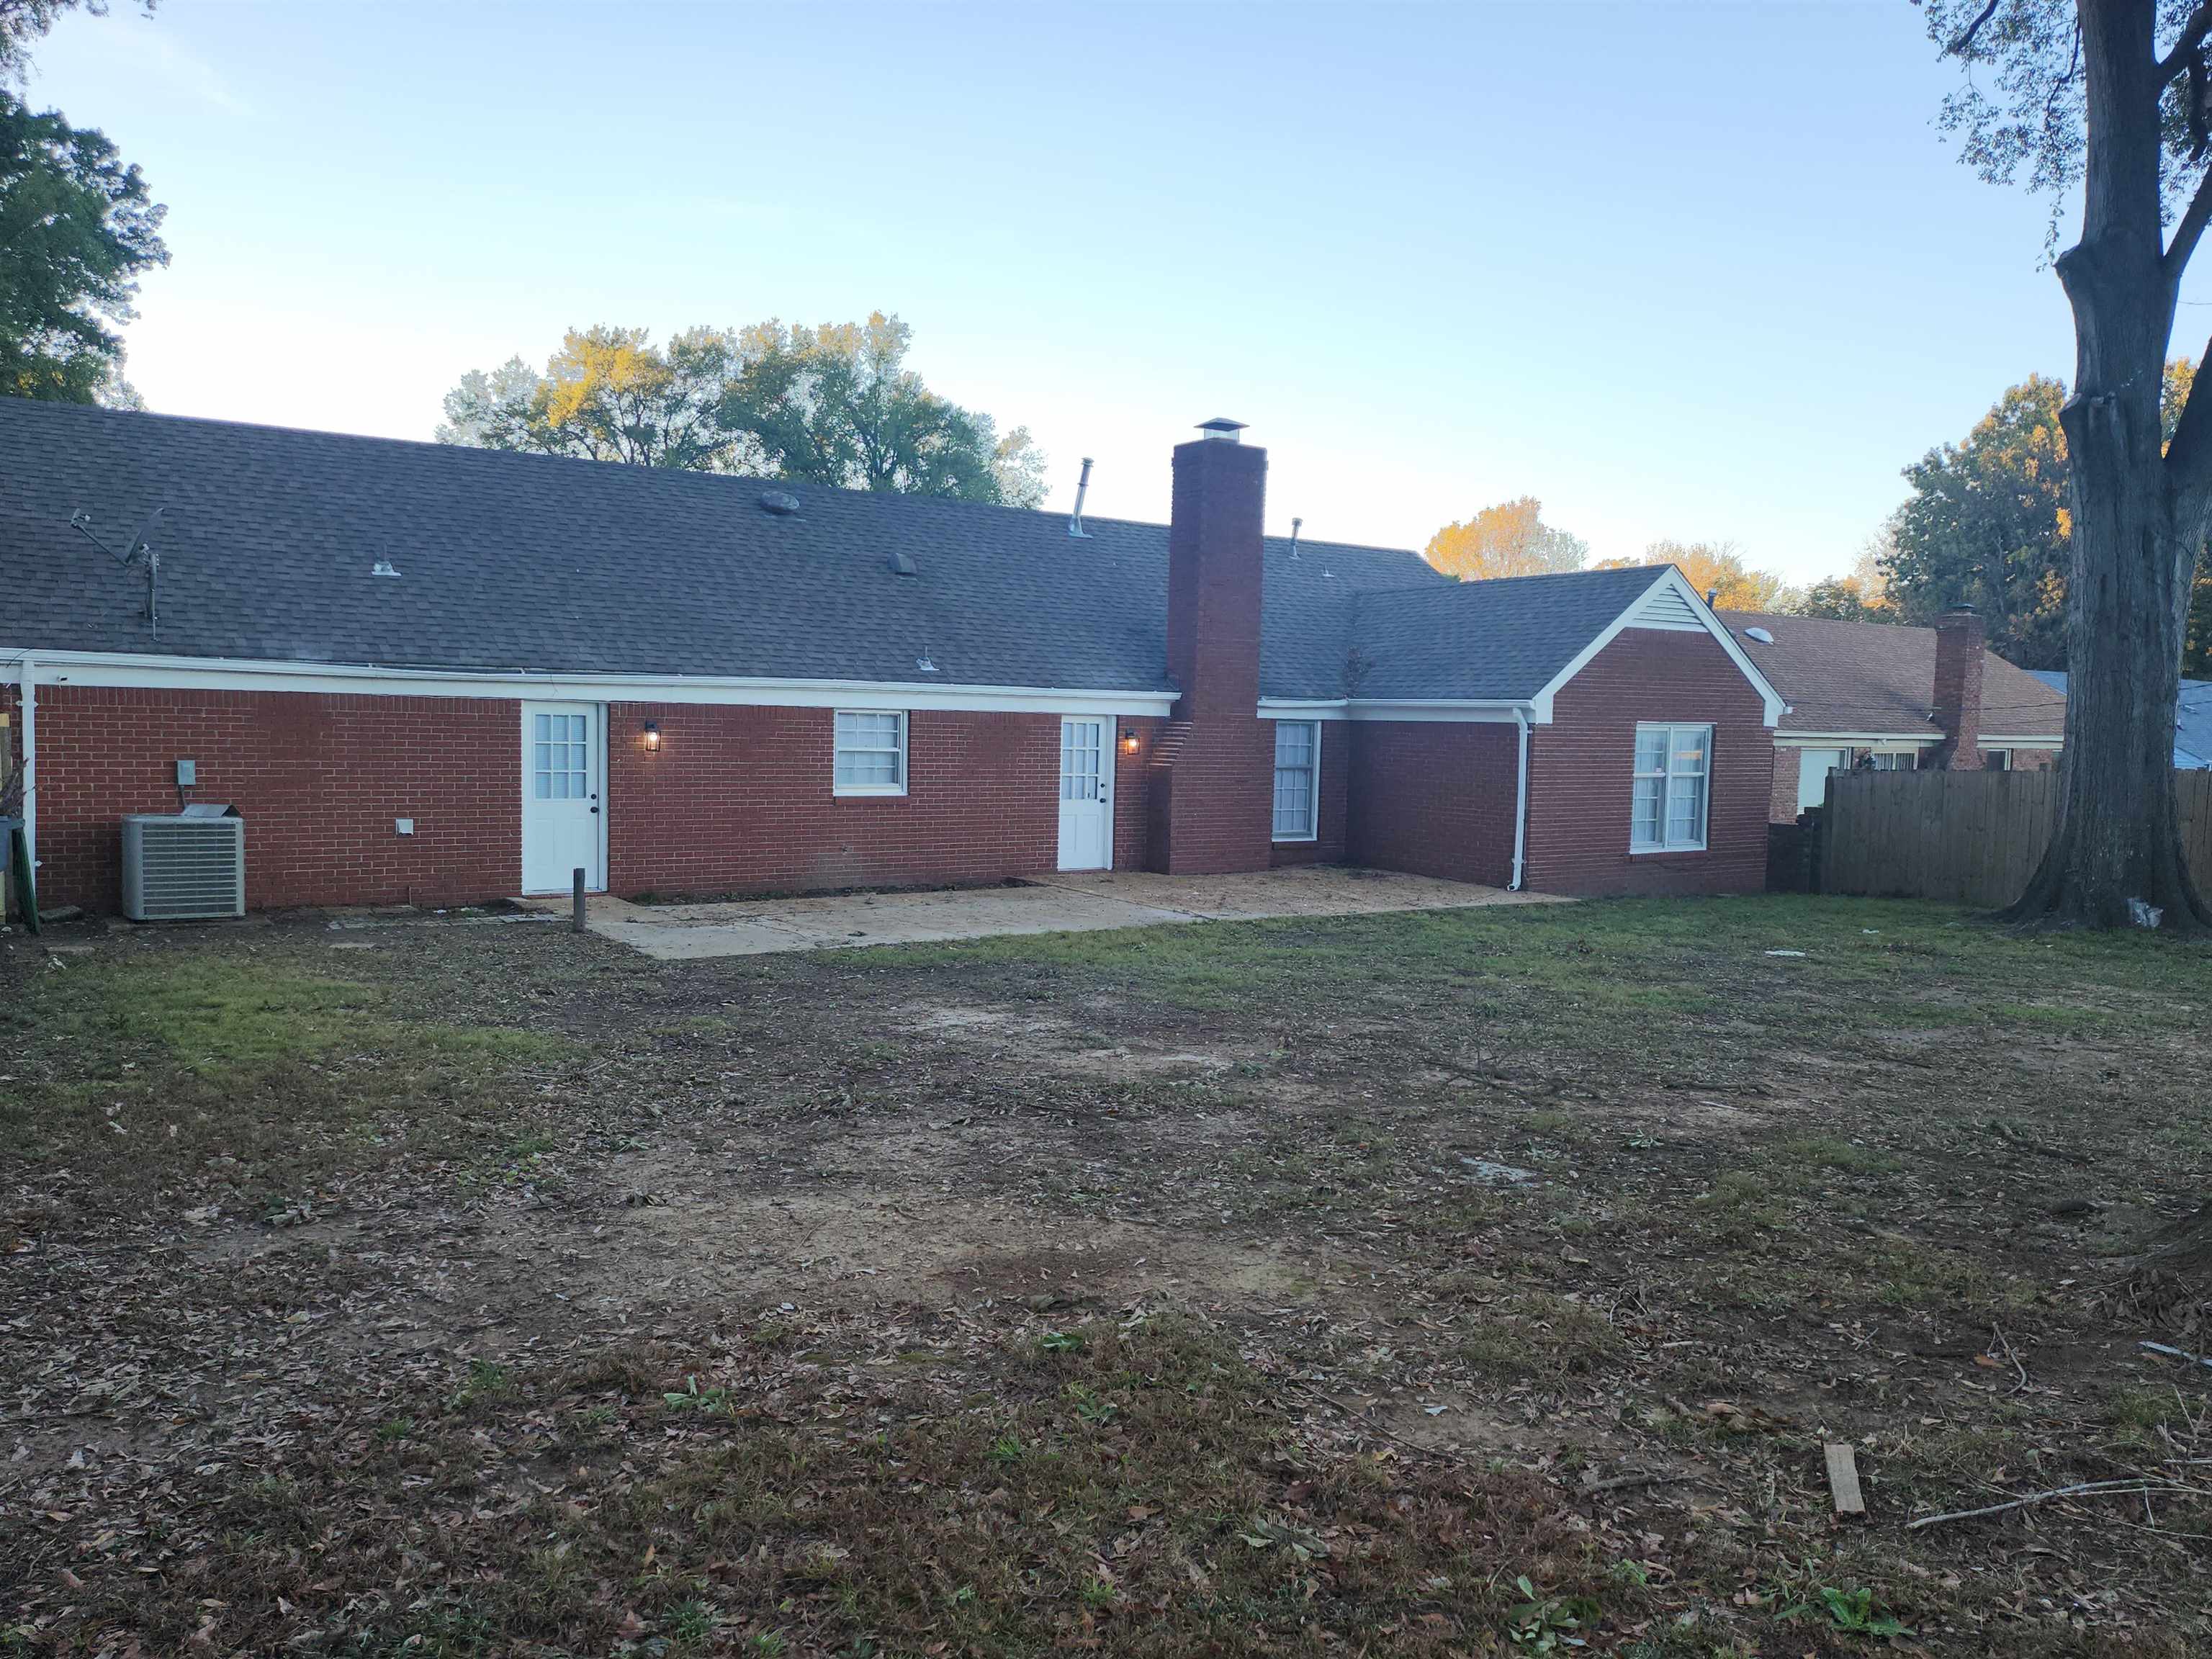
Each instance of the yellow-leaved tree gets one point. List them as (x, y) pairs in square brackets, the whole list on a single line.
[(1509, 539), (1718, 569)]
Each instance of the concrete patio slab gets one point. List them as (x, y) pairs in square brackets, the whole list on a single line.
[(1067, 904)]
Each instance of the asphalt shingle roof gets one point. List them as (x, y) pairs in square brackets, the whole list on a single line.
[(512, 562), (1879, 678), (1500, 640)]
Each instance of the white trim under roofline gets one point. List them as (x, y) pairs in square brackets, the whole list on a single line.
[(1400, 709), (145, 672), (1775, 706), (1901, 740)]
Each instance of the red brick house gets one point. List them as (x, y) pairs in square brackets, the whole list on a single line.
[(1878, 694), (431, 674)]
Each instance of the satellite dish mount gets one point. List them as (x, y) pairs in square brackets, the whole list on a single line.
[(140, 550)]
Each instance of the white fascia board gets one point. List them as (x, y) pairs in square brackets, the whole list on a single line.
[(1372, 708), (1478, 714), (1986, 741), (1857, 739), (147, 672), (1775, 706)]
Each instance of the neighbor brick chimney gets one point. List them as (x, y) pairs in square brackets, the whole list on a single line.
[(1209, 792), (1958, 707)]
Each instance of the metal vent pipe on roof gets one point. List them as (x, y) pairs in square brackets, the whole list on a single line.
[(1082, 488), (1295, 525)]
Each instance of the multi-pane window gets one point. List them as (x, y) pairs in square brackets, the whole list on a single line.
[(871, 757), (1083, 760), (1298, 777), (1902, 760), (1674, 767), (561, 757)]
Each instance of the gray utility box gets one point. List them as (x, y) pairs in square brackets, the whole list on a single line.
[(184, 866)]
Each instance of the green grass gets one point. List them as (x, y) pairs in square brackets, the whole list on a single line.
[(198, 1075)]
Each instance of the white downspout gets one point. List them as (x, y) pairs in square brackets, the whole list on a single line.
[(30, 700), (1519, 800)]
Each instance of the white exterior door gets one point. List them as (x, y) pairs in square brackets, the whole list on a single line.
[(563, 775), (1087, 793)]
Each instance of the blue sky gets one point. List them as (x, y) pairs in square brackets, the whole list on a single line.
[(1690, 270)]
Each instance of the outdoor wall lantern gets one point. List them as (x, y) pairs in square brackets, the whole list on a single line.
[(1129, 742), (653, 736)]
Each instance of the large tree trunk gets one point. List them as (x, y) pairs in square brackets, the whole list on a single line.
[(2116, 858)]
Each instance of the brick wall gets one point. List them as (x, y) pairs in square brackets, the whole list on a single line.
[(1333, 810), (1211, 794), (320, 779), (1781, 802), (1131, 786), (1433, 799), (740, 800), (1581, 770)]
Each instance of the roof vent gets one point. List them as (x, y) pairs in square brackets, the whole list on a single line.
[(903, 565), (1081, 488), (1221, 429), (1758, 634), (924, 664), (782, 502), (1297, 524), (384, 568)]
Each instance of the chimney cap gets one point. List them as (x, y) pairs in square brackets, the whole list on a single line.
[(1221, 429), (1962, 608)]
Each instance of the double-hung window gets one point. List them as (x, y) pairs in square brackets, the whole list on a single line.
[(871, 753), (1673, 770), (1298, 780)]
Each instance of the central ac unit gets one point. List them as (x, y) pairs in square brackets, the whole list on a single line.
[(184, 866)]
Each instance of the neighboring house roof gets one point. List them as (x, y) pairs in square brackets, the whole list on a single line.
[(2192, 718), (1878, 679), (526, 563)]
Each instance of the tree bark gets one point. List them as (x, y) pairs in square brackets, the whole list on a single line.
[(2116, 859)]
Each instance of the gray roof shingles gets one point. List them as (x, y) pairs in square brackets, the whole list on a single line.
[(512, 562)]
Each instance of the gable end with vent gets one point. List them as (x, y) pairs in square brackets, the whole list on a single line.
[(1670, 606)]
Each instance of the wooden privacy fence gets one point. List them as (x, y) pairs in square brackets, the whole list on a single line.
[(1965, 837)]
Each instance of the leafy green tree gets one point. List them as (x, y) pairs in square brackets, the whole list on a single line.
[(1861, 595), (1989, 521), (833, 405), (2112, 97), (838, 406), (1508, 539), (1987, 525), (76, 229), (22, 21), (608, 394)]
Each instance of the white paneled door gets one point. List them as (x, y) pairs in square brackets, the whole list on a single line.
[(563, 776), (1087, 793)]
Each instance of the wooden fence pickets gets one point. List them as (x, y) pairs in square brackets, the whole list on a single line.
[(1965, 837)]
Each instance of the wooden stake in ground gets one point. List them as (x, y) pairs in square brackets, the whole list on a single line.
[(1843, 1479)]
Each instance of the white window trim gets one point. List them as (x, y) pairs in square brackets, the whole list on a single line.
[(1639, 850), (876, 789), (1313, 795)]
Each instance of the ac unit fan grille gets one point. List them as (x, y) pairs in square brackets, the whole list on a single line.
[(188, 870)]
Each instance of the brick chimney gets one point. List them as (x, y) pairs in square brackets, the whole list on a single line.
[(1958, 707), (1209, 791), (1214, 573)]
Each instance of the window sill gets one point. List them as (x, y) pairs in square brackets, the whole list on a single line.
[(1293, 841), (1685, 850), (869, 791)]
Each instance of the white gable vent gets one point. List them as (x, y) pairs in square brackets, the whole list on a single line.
[(1666, 607), (184, 866)]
